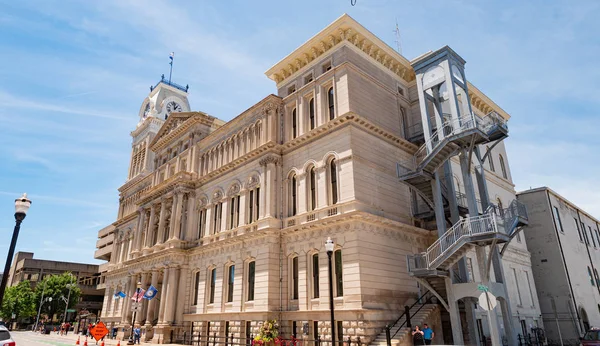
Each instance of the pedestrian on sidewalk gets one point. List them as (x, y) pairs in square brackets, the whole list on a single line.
[(417, 335), (137, 333)]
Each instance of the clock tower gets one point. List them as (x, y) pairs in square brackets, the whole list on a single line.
[(165, 98)]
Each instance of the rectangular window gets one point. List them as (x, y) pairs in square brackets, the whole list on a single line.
[(315, 330), (597, 236), (231, 212), (517, 283), (308, 79), (326, 66), (519, 237), (251, 275), (257, 202), (294, 328), (237, 211), (578, 229), (217, 217), (557, 222), (248, 333), (230, 284), (530, 291), (315, 275), (340, 331), (208, 333), (592, 236), (213, 283), (227, 330), (196, 287), (201, 223), (524, 327), (585, 236), (339, 275), (295, 278), (292, 89), (251, 207)]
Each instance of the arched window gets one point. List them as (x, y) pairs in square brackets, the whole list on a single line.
[(333, 185), (312, 195), (293, 193), (503, 168), (294, 123), (490, 160), (311, 113), (330, 103)]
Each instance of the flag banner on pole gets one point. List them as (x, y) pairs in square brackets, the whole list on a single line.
[(171, 57), (137, 296), (150, 293), (120, 294)]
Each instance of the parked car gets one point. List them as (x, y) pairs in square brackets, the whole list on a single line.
[(5, 338), (591, 338)]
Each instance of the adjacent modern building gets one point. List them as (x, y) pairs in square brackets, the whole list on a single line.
[(25, 267), (399, 162), (564, 242)]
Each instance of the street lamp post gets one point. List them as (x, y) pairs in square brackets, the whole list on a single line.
[(329, 245), (37, 319), (69, 286), (137, 293), (21, 206)]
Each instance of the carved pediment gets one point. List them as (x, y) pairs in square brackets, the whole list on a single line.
[(174, 121)]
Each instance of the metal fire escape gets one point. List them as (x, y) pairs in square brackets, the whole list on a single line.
[(451, 128)]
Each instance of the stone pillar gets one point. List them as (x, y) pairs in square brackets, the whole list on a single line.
[(161, 221), (140, 314), (171, 295), (181, 290), (173, 217), (192, 217), (163, 297), (176, 216), (140, 230), (150, 230), (262, 195), (151, 311)]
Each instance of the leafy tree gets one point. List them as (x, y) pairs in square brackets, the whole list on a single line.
[(56, 286), (19, 300)]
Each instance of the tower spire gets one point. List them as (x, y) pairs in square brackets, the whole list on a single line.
[(397, 32)]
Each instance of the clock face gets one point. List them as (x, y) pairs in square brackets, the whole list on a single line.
[(174, 107)]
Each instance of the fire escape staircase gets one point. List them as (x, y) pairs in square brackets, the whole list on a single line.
[(469, 130)]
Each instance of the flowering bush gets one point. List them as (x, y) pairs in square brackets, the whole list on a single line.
[(268, 332)]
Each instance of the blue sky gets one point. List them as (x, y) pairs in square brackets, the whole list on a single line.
[(74, 73)]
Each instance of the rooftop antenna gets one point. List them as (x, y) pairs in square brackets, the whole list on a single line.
[(397, 32)]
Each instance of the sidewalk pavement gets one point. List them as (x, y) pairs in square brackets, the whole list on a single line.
[(91, 341)]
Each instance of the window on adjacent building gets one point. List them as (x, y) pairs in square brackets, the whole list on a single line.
[(293, 195), (596, 277), (315, 275), (295, 277), (230, 280), (213, 283), (578, 229), (330, 103), (597, 236), (251, 276), (312, 181), (530, 290), (196, 287), (311, 113), (503, 167), (294, 123), (490, 159), (339, 274), (218, 209), (585, 236), (333, 185), (592, 236), (591, 277), (518, 288), (557, 222)]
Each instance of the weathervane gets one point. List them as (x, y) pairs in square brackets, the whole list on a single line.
[(171, 57)]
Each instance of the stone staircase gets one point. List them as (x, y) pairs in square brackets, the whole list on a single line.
[(401, 334)]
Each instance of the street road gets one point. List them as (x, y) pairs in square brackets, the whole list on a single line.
[(36, 339)]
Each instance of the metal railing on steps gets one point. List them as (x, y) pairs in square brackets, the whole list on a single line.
[(423, 300)]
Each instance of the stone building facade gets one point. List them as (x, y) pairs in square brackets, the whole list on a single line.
[(565, 246), (229, 219)]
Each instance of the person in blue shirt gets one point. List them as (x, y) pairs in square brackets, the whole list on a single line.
[(428, 334), (137, 333)]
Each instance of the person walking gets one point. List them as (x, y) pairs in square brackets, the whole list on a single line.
[(137, 334), (428, 334), (417, 335)]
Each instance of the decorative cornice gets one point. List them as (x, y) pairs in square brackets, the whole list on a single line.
[(344, 30), (176, 125), (270, 159), (483, 103), (181, 179)]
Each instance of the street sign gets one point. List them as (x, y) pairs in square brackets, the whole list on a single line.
[(99, 331), (482, 288), (71, 310), (483, 301), (136, 306)]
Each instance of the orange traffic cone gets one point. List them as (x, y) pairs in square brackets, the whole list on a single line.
[(85, 342), (118, 342), (77, 342), (102, 344)]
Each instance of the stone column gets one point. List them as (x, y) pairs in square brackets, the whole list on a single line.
[(161, 221), (269, 193), (140, 314), (140, 229), (181, 289), (150, 230), (171, 295), (163, 296), (262, 195), (192, 217), (301, 193), (176, 216), (151, 311)]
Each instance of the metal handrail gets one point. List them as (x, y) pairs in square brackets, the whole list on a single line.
[(407, 310)]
